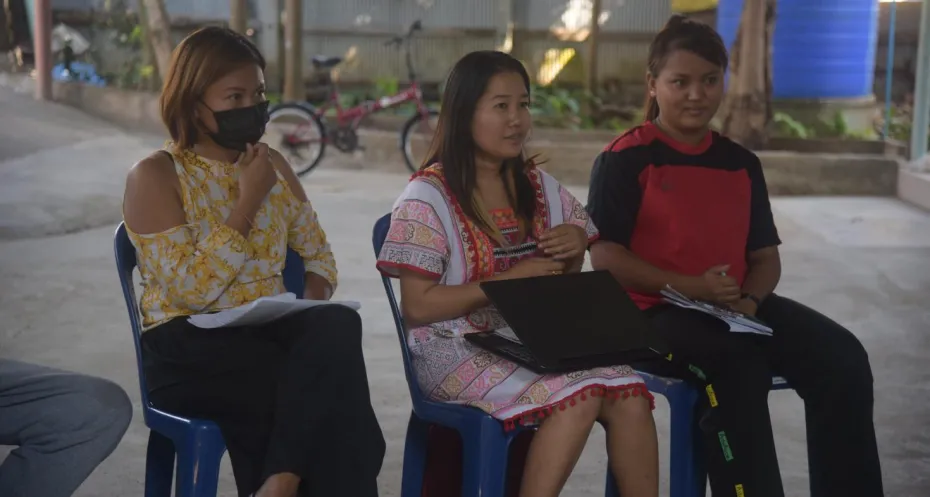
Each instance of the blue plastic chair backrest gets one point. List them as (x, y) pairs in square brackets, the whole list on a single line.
[(379, 234), (294, 273), (125, 254)]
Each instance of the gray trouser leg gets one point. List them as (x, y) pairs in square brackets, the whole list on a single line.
[(64, 425)]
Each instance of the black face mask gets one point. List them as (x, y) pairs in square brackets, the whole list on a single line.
[(238, 127)]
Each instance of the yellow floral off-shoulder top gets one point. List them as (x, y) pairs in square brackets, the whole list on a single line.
[(204, 265)]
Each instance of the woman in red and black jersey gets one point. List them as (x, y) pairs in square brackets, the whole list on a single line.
[(678, 204)]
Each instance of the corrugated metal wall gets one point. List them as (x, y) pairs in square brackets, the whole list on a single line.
[(368, 59), (540, 26), (357, 30), (75, 4), (193, 9), (626, 28), (396, 15), (622, 15)]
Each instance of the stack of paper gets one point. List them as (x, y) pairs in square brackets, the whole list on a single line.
[(261, 311), (738, 321)]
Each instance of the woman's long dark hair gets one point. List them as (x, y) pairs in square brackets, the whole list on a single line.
[(682, 33), (454, 147)]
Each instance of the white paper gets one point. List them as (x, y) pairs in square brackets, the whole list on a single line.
[(261, 311), (738, 322)]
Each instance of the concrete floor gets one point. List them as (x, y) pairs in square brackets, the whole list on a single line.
[(863, 261)]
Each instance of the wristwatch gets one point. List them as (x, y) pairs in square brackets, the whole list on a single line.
[(751, 297)]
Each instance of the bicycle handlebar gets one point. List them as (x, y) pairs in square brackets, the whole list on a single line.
[(398, 41)]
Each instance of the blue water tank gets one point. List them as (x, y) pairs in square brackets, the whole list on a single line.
[(821, 48)]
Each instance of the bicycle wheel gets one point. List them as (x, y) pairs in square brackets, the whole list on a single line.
[(298, 134), (416, 137)]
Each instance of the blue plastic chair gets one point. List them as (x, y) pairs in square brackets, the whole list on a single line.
[(687, 469), (485, 443), (197, 443)]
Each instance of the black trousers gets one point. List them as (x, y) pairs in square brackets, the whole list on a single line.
[(289, 396), (822, 361)]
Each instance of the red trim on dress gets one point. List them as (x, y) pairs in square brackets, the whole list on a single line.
[(596, 390), (541, 218), (504, 218), (472, 245), (479, 248)]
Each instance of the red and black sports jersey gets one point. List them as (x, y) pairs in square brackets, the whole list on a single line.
[(682, 208)]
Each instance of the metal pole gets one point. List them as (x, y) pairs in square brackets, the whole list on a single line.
[(293, 44), (889, 67), (921, 123), (43, 48)]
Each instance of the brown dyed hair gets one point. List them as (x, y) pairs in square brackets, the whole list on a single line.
[(202, 58), (682, 33)]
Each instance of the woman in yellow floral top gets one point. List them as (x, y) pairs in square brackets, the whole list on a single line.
[(211, 218)]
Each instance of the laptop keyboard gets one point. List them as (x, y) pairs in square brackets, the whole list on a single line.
[(517, 351)]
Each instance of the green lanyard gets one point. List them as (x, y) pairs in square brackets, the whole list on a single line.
[(714, 402)]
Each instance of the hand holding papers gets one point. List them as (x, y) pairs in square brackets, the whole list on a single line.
[(738, 321), (260, 311)]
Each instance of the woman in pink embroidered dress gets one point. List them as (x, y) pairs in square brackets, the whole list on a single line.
[(480, 210)]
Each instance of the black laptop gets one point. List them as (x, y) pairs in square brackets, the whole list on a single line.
[(567, 322)]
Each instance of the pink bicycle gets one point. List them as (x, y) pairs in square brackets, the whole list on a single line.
[(305, 131)]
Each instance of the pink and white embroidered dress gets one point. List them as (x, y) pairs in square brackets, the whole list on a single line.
[(430, 234)]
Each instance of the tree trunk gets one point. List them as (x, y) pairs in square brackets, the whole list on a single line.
[(294, 90), (159, 34), (148, 54), (747, 109), (593, 46), (238, 16)]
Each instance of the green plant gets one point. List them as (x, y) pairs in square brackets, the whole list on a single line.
[(838, 127), (386, 87), (555, 107), (618, 125), (899, 127), (787, 126), (127, 37)]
